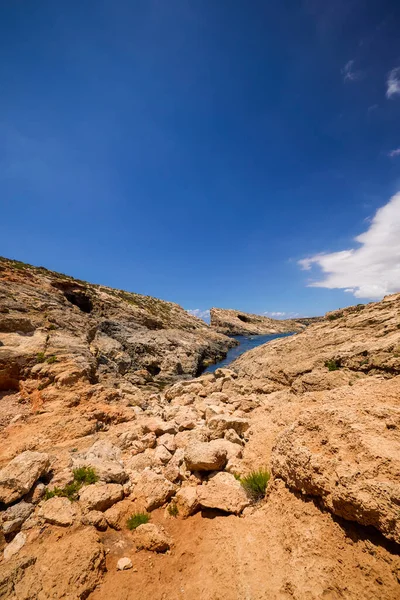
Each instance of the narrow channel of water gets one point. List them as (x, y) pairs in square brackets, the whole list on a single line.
[(246, 342)]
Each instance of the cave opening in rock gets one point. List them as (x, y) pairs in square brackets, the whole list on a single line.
[(244, 318), (153, 369), (79, 299)]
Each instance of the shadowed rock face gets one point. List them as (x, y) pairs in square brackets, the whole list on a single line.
[(234, 322), (95, 332)]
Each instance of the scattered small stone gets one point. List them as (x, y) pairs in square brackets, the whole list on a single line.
[(124, 564)]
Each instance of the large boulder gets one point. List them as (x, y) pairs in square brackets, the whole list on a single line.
[(68, 567), (153, 490), (100, 497), (205, 456), (103, 457), (223, 492), (348, 457), (221, 423), (18, 477), (58, 511)]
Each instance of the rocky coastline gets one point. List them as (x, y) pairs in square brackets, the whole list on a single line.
[(123, 470)]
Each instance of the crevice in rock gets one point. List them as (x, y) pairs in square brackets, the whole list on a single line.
[(244, 319), (79, 299)]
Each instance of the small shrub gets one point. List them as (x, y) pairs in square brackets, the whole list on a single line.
[(333, 364), (70, 491), (52, 359), (255, 483), (82, 476), (85, 475), (173, 510), (40, 357), (52, 327), (137, 519), (335, 316)]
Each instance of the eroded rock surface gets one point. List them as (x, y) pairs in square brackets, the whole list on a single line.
[(348, 457), (81, 402)]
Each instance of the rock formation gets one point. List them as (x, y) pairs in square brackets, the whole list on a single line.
[(108, 478), (59, 329), (235, 322)]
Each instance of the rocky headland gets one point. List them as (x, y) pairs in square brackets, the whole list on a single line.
[(235, 322), (117, 480)]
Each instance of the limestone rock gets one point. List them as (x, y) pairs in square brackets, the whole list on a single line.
[(68, 566), (187, 501), (15, 516), (223, 492), (162, 456), (95, 518), (100, 497), (58, 511), (151, 537), (168, 441), (154, 490), (15, 546), (208, 456), (103, 458), (18, 477), (350, 458), (221, 423), (124, 564)]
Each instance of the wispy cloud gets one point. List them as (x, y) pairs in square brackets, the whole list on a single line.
[(373, 269), (200, 313), (394, 153), (393, 83), (349, 73)]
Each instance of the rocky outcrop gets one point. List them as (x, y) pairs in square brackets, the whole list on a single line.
[(18, 477), (54, 328), (350, 458), (234, 322), (87, 448)]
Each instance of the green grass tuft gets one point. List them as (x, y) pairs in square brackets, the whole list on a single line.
[(137, 519), (85, 475), (333, 364), (173, 510), (82, 476), (40, 357), (52, 359), (255, 483)]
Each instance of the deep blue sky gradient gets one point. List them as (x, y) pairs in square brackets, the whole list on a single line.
[(195, 151)]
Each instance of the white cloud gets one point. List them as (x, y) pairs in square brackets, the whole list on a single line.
[(200, 313), (348, 72), (393, 83), (373, 269), (394, 153)]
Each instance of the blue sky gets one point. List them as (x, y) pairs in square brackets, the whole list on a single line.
[(197, 151)]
